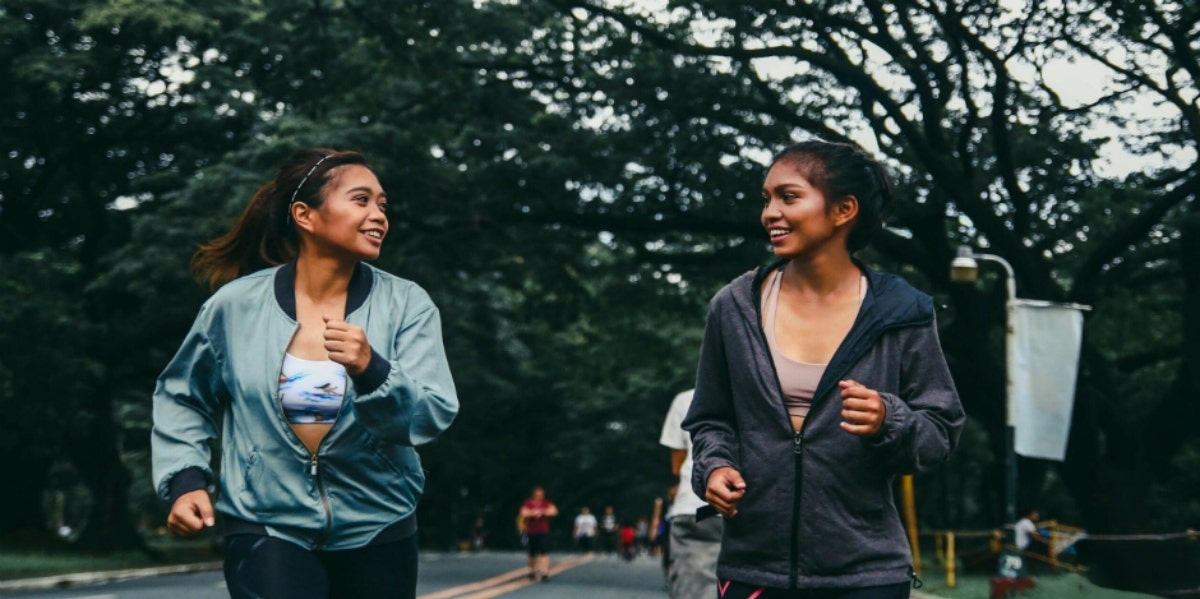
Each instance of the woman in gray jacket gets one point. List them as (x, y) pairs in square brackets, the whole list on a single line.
[(320, 375), (819, 381)]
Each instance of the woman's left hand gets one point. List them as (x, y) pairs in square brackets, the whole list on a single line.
[(347, 345), (863, 411)]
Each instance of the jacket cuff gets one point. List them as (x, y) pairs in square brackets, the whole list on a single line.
[(186, 481), (701, 475), (370, 379), (893, 422)]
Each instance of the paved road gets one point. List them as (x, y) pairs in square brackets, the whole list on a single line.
[(443, 576)]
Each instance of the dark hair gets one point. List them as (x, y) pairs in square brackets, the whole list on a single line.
[(840, 170), (265, 235)]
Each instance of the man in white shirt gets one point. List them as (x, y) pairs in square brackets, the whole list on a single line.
[(694, 545), (585, 529), (1026, 530)]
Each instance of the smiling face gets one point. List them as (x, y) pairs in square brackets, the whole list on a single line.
[(351, 220), (798, 218)]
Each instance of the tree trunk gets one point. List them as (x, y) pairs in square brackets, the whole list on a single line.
[(111, 526)]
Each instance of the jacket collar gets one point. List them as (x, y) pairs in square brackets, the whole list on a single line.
[(356, 294), (890, 300), (890, 303)]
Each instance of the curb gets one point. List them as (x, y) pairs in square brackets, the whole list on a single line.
[(67, 580)]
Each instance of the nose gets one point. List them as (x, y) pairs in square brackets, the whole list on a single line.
[(770, 210), (377, 214)]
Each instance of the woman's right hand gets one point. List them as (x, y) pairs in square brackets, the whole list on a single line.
[(725, 490), (191, 514)]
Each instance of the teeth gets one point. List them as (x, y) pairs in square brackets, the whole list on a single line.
[(778, 232), (375, 234)]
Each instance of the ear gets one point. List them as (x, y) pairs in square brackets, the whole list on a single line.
[(845, 211), (303, 215)]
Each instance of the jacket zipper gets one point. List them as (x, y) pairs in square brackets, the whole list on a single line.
[(316, 474), (798, 436), (313, 460), (799, 450)]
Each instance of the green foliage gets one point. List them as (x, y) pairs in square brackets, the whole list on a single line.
[(572, 182)]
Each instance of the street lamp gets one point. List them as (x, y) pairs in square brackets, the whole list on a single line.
[(964, 268)]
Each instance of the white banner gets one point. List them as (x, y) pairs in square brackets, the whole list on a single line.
[(1046, 345)]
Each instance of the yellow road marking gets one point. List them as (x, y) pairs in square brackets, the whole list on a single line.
[(475, 586), (503, 583)]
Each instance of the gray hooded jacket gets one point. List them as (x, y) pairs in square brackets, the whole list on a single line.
[(818, 510)]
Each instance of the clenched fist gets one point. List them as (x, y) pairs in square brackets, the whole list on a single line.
[(863, 410), (347, 345), (191, 513)]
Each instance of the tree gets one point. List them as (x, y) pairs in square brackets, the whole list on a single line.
[(954, 95)]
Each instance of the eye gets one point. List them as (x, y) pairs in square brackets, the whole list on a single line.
[(383, 207), (362, 199)]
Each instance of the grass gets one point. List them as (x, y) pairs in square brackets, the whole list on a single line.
[(1063, 585), (21, 561)]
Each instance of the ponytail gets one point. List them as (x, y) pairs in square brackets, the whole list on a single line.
[(264, 235)]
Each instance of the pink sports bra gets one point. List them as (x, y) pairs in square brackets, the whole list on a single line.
[(798, 380)]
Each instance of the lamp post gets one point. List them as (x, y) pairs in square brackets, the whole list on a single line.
[(965, 269)]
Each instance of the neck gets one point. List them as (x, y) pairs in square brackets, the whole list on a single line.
[(322, 278), (823, 275)]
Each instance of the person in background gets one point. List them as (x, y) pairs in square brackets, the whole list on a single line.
[(536, 513), (693, 545), (628, 542), (320, 375), (819, 381), (660, 531), (1027, 531), (609, 530), (641, 535), (479, 534), (585, 529)]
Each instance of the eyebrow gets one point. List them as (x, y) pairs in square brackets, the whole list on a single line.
[(783, 186), (382, 193)]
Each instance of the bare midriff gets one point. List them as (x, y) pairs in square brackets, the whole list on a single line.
[(311, 434)]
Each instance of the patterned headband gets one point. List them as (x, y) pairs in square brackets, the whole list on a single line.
[(306, 176)]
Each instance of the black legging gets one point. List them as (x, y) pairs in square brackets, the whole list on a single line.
[(729, 589), (258, 567)]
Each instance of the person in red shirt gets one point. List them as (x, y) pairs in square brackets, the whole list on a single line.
[(627, 542), (536, 513)]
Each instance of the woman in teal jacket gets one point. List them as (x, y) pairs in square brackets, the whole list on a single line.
[(323, 374)]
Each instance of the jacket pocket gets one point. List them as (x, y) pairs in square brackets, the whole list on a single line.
[(844, 519), (243, 470)]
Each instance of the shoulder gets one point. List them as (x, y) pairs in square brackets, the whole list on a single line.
[(682, 401), (737, 291), (403, 293), (245, 289), (898, 297)]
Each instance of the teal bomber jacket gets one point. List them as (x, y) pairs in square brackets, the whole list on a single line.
[(365, 477)]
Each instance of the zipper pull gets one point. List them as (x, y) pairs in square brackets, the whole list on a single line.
[(799, 439), (313, 465)]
